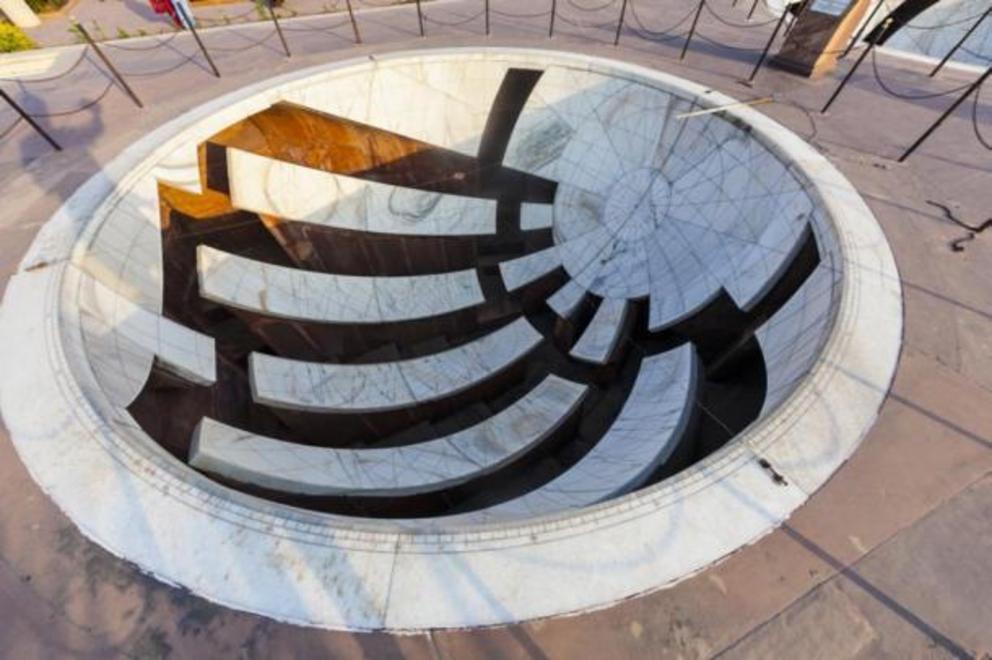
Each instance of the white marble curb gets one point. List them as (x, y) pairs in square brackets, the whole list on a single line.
[(127, 495)]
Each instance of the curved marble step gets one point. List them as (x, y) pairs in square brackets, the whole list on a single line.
[(641, 438), (355, 388), (293, 192), (689, 263), (600, 338), (566, 300), (392, 471), (521, 271), (305, 295)]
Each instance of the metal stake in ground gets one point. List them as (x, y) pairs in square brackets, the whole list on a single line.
[(487, 18), (188, 22), (113, 70), (692, 30), (354, 23), (857, 63), (959, 43), (803, 4), (26, 117), (750, 12), (551, 27), (420, 19), (768, 46), (623, 12), (862, 29), (275, 21), (947, 113)]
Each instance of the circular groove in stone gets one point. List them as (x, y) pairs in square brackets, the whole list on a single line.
[(71, 323)]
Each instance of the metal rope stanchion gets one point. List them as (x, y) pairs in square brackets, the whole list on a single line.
[(487, 17), (947, 113), (275, 20), (768, 46), (754, 7), (623, 12), (861, 30), (551, 26), (803, 5), (857, 63), (961, 42), (692, 30), (26, 117), (187, 20), (113, 70), (354, 23), (420, 19)]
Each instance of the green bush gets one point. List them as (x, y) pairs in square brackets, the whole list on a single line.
[(12, 39), (43, 6)]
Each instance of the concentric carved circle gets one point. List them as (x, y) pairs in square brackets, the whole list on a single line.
[(448, 339)]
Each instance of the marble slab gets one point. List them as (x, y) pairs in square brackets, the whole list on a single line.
[(306, 295), (320, 387), (392, 471), (122, 338), (446, 104), (566, 299), (599, 339), (584, 129), (536, 216), (952, 20), (640, 439), (520, 272), (293, 192), (792, 338)]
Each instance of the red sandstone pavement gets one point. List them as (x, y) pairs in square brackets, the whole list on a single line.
[(892, 558), (117, 19)]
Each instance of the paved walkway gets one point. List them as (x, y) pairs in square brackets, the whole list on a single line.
[(892, 558), (124, 19)]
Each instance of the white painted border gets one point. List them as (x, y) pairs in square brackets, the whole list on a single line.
[(126, 494)]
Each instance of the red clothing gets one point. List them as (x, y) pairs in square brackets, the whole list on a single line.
[(165, 7)]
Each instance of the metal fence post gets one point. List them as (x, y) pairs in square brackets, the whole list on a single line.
[(754, 6), (857, 63), (354, 23), (26, 117), (947, 113), (551, 27), (487, 18), (768, 46), (275, 21), (623, 12), (692, 30), (961, 42), (864, 26), (113, 70), (803, 4), (178, 8), (420, 19)]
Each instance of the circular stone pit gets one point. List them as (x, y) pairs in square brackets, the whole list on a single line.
[(539, 346)]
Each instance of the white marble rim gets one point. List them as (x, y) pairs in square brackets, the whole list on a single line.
[(804, 439)]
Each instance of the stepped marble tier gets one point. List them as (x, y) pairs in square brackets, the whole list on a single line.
[(418, 339), (305, 295), (292, 192), (642, 437), (360, 388), (600, 338), (392, 471)]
